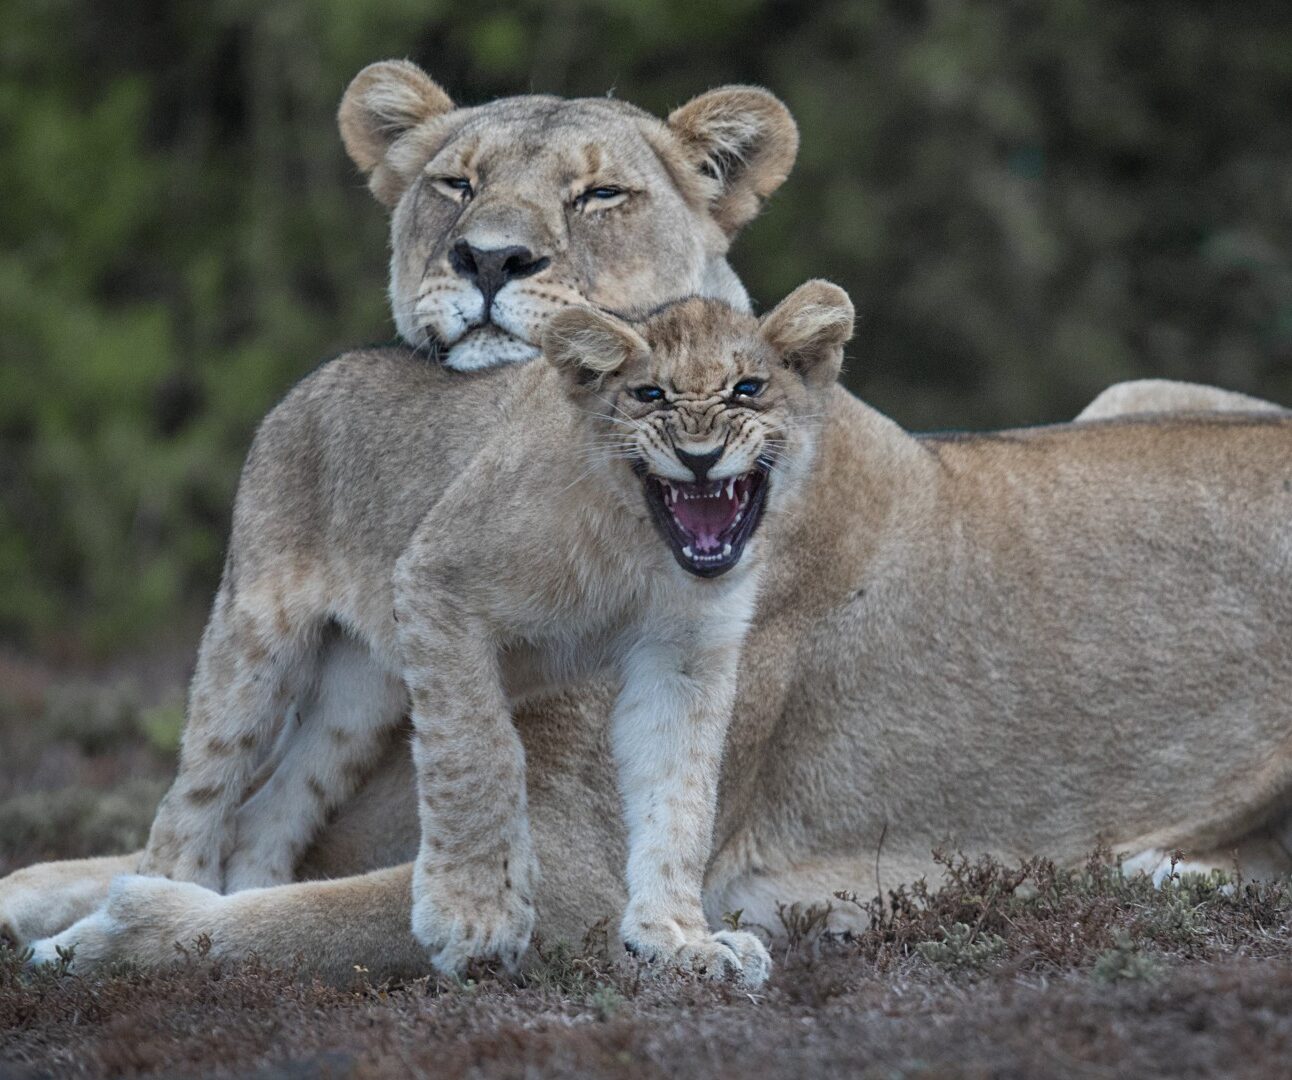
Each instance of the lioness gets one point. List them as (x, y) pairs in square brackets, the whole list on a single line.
[(1024, 642), (623, 533)]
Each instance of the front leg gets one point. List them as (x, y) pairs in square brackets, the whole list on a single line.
[(474, 879), (668, 730), (253, 659)]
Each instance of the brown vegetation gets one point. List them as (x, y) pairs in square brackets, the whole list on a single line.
[(994, 970)]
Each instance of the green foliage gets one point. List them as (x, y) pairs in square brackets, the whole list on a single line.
[(1124, 962), (606, 1001), (1027, 202), (962, 948)]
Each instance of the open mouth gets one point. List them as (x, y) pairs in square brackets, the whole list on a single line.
[(707, 525)]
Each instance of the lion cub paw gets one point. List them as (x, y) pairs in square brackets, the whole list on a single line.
[(458, 922), (727, 956)]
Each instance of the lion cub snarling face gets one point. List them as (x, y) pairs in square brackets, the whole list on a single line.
[(504, 213), (622, 533)]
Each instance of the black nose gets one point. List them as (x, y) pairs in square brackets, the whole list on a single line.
[(700, 464), (490, 269)]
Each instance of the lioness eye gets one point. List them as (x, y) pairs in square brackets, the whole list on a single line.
[(457, 183), (748, 388), (648, 393), (604, 193)]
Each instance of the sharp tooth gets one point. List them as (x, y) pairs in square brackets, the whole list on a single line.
[(726, 550), (731, 487), (739, 515), (688, 553)]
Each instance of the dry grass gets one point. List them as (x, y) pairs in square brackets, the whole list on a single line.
[(988, 971)]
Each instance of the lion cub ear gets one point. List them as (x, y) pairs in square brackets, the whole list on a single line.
[(586, 345), (744, 141), (382, 104), (808, 330)]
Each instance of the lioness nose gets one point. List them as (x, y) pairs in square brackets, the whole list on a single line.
[(491, 268), (700, 464)]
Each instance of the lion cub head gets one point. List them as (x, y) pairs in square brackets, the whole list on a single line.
[(709, 413), (503, 213)]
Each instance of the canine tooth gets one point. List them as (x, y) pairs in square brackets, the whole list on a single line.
[(731, 488), (726, 550), (688, 552), (739, 515)]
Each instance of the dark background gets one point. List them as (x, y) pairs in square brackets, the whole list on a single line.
[(1027, 201)]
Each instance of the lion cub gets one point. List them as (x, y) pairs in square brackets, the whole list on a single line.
[(614, 519)]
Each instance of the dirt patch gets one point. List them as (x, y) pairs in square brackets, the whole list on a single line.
[(988, 971), (998, 972)]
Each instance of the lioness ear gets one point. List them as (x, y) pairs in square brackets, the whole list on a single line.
[(744, 140), (809, 328), (382, 104), (586, 344)]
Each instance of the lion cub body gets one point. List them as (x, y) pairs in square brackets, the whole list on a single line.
[(537, 566)]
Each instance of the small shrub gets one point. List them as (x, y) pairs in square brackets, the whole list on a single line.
[(1124, 962), (962, 949), (605, 1001)]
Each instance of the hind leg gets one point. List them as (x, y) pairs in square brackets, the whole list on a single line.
[(255, 658), (1259, 856), (343, 731)]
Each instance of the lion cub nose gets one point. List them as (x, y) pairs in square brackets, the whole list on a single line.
[(700, 464), (491, 268)]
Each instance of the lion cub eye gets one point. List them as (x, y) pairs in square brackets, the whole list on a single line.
[(460, 185), (748, 388), (648, 393)]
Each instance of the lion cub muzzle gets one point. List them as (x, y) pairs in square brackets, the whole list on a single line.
[(707, 523)]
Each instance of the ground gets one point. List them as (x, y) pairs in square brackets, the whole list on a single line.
[(984, 971)]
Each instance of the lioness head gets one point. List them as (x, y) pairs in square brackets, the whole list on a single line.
[(711, 413), (504, 213)]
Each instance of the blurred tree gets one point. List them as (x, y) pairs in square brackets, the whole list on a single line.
[(1026, 200)]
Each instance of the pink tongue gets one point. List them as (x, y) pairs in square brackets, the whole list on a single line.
[(706, 518)]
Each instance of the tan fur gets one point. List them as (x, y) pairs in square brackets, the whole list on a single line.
[(1021, 642), (1167, 395), (1026, 642)]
